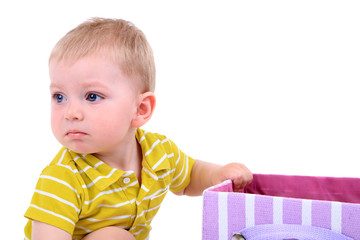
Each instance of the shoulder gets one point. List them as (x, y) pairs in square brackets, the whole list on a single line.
[(61, 169), (142, 135), (149, 140), (64, 157), (156, 146)]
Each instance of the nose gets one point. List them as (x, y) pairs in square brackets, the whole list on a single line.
[(74, 111)]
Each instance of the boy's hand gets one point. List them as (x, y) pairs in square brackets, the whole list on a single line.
[(205, 174), (237, 172)]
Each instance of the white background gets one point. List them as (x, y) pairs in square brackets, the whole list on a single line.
[(272, 84)]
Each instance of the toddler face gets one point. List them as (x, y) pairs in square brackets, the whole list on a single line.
[(92, 105)]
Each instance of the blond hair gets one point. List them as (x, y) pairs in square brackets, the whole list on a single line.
[(121, 39)]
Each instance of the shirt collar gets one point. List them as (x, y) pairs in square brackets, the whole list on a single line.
[(154, 153), (102, 175)]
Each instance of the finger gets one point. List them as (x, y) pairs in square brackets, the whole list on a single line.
[(242, 181)]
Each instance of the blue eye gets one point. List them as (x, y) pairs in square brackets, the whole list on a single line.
[(59, 98), (92, 97)]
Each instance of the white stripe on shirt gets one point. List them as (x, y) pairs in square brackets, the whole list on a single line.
[(60, 181), (52, 213), (101, 177), (186, 172), (159, 162), (152, 147), (110, 192), (58, 198)]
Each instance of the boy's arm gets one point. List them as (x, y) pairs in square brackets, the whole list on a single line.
[(43, 231), (205, 174)]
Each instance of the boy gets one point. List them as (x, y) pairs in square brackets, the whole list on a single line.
[(109, 179)]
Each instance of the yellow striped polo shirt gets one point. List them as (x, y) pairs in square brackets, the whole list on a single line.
[(80, 194)]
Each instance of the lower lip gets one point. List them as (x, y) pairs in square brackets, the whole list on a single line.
[(76, 135)]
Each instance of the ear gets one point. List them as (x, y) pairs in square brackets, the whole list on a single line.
[(145, 109)]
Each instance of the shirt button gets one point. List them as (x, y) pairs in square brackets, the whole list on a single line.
[(126, 180)]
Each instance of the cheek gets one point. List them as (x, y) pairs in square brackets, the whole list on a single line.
[(112, 122), (55, 122), (119, 114)]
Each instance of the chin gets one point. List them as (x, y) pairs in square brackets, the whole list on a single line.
[(79, 149)]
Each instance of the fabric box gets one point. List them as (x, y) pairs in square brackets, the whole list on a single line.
[(282, 207)]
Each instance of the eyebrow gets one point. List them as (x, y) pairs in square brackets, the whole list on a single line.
[(52, 85), (94, 84), (84, 85)]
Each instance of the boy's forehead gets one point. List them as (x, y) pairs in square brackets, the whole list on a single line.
[(89, 64), (88, 71), (100, 55)]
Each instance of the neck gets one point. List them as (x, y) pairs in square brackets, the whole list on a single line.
[(127, 157)]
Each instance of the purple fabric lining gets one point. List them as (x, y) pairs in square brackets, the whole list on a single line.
[(307, 187)]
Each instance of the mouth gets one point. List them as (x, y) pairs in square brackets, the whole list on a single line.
[(74, 134)]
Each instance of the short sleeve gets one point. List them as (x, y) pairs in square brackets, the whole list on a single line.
[(56, 200), (182, 165)]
